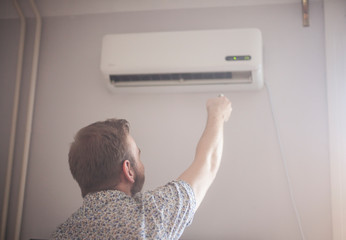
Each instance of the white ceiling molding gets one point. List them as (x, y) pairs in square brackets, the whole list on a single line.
[(50, 8)]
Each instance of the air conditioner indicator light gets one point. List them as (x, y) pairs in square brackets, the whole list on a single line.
[(238, 58)]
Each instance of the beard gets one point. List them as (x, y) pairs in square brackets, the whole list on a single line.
[(139, 181)]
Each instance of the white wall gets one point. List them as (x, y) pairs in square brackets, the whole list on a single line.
[(7, 74), (250, 197), (335, 31)]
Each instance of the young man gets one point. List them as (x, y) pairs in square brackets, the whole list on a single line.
[(105, 161)]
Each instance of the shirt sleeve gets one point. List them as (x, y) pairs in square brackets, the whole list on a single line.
[(170, 209)]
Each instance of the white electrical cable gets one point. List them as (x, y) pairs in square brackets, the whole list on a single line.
[(29, 121), (284, 162), (14, 121)]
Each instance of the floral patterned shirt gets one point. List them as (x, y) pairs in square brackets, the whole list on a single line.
[(162, 213)]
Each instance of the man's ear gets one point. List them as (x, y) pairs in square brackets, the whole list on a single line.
[(128, 171)]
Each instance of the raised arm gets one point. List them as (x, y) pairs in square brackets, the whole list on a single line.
[(203, 169)]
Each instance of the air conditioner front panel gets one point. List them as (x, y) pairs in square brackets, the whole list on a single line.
[(177, 53)]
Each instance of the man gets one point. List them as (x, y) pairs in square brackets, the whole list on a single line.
[(105, 161)]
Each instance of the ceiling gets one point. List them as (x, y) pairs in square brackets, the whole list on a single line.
[(49, 8)]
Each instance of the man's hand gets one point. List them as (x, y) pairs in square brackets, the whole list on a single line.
[(219, 107)]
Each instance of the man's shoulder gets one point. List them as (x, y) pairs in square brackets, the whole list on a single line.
[(173, 191)]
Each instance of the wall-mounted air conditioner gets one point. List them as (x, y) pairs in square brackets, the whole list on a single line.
[(187, 61)]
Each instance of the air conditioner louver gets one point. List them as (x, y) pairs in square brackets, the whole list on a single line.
[(163, 79)]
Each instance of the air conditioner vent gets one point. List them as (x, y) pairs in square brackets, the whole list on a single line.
[(158, 79)]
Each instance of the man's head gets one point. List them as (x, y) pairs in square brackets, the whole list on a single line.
[(99, 154)]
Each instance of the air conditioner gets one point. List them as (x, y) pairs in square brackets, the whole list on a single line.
[(186, 61)]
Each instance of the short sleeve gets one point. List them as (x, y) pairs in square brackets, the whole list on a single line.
[(168, 210)]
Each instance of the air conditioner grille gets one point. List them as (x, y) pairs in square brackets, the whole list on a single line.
[(166, 79), (170, 76)]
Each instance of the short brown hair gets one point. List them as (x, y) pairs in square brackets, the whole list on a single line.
[(97, 153)]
